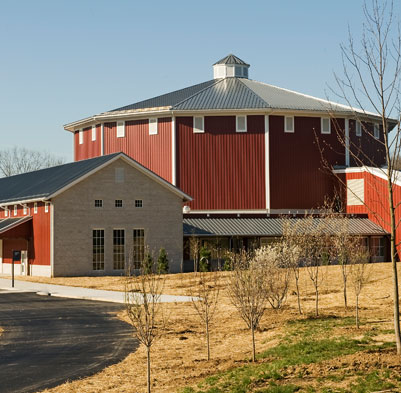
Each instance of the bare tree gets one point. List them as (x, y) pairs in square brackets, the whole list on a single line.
[(142, 301), (292, 239), (247, 291), (359, 270), (372, 74), (194, 247), (20, 160), (273, 260), (204, 298)]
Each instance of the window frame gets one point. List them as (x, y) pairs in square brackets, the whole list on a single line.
[(380, 246), (6, 211), (153, 125), (138, 202), (120, 129), (376, 130), (15, 210), (117, 202), (137, 262), (98, 205), (237, 129), (98, 263), (94, 129), (47, 207), (322, 119), (35, 208), (285, 124), (196, 129), (117, 260), (358, 128), (25, 210), (81, 136)]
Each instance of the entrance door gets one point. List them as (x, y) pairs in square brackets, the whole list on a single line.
[(24, 263)]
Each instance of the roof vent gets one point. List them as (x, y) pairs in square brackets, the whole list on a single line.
[(230, 66)]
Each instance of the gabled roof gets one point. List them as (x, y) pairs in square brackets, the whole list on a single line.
[(268, 226), (231, 59), (47, 183)]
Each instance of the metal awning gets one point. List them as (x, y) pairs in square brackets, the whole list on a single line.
[(10, 223), (272, 226)]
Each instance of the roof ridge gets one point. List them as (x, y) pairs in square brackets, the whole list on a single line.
[(316, 98), (254, 92), (217, 81)]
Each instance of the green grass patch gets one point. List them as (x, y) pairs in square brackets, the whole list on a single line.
[(305, 342)]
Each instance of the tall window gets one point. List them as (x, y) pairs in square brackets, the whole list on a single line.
[(35, 207), (118, 249), (358, 128), (6, 212), (289, 124), (377, 246), (15, 210), (98, 249), (376, 130), (138, 248)]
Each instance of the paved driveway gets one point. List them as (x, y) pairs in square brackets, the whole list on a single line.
[(48, 340)]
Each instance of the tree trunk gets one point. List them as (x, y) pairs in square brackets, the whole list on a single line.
[(298, 297), (253, 344), (207, 340), (317, 302), (357, 312), (148, 368), (345, 291)]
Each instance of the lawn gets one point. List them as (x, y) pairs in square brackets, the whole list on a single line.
[(295, 353)]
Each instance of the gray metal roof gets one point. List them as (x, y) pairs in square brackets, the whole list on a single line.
[(227, 93), (269, 226), (9, 223), (43, 183), (231, 59), (168, 99)]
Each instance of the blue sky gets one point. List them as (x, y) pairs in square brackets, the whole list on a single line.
[(65, 60)]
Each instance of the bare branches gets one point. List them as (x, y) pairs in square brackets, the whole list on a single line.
[(20, 160)]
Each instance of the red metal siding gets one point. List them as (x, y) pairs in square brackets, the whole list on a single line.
[(36, 232), (298, 179), (89, 148), (222, 169), (366, 150), (376, 202), (13, 244), (152, 151)]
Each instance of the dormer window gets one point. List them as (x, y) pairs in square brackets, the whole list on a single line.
[(241, 124)]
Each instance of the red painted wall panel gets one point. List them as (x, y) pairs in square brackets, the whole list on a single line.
[(89, 148), (37, 232), (222, 169), (298, 179), (13, 244), (152, 151), (366, 150)]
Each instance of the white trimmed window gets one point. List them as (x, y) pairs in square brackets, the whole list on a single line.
[(118, 203), (241, 124), (326, 126), (138, 247), (25, 210), (98, 249), (120, 129), (153, 126), (138, 203), (355, 192), (15, 210), (358, 128), (35, 207), (98, 202), (93, 133), (6, 211), (289, 124), (199, 124), (376, 131), (118, 249), (47, 207), (81, 136), (119, 175)]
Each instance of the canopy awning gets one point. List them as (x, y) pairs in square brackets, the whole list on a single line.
[(10, 223)]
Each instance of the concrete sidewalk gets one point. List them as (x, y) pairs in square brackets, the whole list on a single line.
[(77, 292)]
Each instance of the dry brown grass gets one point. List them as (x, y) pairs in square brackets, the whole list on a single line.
[(178, 359)]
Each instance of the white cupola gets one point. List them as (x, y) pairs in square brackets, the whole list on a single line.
[(230, 66)]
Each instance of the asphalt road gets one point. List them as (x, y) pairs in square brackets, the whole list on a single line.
[(47, 340)]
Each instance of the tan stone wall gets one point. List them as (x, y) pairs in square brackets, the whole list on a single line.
[(75, 217)]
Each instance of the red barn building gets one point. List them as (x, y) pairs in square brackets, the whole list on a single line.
[(235, 145), (240, 148)]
